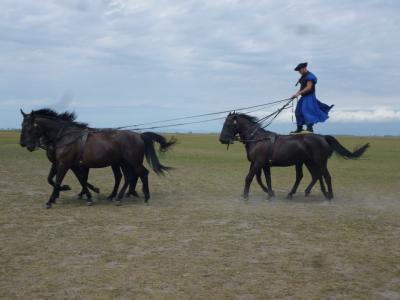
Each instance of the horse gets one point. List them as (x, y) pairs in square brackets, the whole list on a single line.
[(78, 171), (267, 149), (76, 146)]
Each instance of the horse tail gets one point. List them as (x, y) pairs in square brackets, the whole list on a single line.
[(342, 151), (151, 156)]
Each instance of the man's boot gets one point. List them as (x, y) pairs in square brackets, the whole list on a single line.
[(298, 130), (310, 128)]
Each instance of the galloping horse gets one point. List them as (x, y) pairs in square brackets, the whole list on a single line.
[(77, 146), (266, 149), (80, 171)]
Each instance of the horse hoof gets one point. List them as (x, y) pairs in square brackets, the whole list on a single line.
[(110, 198), (47, 206), (135, 194), (307, 194), (289, 196), (245, 197), (118, 203), (80, 196), (96, 190)]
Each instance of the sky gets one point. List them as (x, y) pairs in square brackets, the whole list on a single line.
[(123, 62)]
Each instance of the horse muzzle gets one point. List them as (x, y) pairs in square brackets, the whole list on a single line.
[(225, 141), (32, 147)]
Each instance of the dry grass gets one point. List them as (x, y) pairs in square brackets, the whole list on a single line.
[(198, 239)]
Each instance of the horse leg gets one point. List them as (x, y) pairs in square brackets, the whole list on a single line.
[(254, 168), (132, 186), (61, 171), (82, 176), (323, 189), (315, 175), (90, 186), (78, 173), (143, 173), (299, 176), (117, 180), (319, 168), (328, 181), (267, 173), (125, 170), (259, 180), (52, 173)]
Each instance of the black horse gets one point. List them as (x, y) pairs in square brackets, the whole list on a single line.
[(266, 149), (79, 171), (77, 146)]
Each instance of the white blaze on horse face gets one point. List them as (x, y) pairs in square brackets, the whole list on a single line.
[(235, 121)]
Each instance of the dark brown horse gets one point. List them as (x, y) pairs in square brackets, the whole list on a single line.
[(266, 149), (77, 147), (80, 171)]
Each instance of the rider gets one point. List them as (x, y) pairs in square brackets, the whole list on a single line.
[(308, 110)]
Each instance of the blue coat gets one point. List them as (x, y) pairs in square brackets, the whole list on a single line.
[(309, 109)]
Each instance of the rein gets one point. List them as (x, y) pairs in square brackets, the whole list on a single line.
[(272, 116), (251, 108)]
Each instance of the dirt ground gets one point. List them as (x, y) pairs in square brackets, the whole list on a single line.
[(198, 239)]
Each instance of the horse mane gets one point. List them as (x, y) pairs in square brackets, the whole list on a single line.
[(67, 116), (255, 121), (252, 119)]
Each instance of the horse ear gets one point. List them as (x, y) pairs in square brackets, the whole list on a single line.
[(22, 112)]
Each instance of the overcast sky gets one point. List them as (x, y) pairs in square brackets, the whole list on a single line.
[(121, 62)]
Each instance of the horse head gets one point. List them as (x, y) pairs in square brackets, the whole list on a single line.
[(229, 129), (30, 132)]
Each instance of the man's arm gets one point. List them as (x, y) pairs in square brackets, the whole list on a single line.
[(305, 90)]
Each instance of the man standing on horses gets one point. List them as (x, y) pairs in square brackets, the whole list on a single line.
[(308, 110)]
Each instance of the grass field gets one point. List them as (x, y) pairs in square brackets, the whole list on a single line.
[(198, 239)]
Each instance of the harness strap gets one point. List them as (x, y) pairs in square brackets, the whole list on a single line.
[(271, 138), (83, 143)]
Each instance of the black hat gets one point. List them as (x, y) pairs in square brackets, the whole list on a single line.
[(300, 66)]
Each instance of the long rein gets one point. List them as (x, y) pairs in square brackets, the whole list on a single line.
[(248, 109), (45, 145)]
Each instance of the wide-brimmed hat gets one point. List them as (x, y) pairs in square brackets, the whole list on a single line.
[(300, 66)]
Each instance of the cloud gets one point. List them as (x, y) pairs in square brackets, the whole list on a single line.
[(197, 55), (378, 115)]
